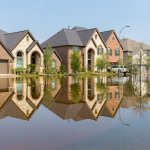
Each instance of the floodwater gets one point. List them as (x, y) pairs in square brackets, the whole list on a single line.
[(75, 113)]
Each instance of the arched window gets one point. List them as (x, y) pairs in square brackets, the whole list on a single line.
[(19, 90), (19, 60), (100, 50), (53, 64)]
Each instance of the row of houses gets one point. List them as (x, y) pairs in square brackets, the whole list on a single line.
[(19, 49)]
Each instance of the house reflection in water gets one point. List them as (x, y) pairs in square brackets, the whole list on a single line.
[(114, 99), (69, 98), (85, 98), (22, 98)]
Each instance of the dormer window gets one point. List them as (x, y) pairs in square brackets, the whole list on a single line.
[(100, 50)]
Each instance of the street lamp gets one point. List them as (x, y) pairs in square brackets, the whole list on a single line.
[(122, 30)]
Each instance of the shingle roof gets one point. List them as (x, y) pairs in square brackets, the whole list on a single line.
[(70, 37), (12, 39), (64, 37), (85, 35), (2, 35), (106, 34), (35, 42), (79, 28), (31, 46)]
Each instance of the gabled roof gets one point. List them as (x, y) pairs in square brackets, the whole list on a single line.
[(106, 34), (33, 44), (78, 36), (12, 39), (85, 35), (64, 37)]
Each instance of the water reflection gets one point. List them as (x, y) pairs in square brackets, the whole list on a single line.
[(21, 98), (73, 97)]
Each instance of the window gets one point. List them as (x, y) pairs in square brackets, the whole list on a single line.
[(75, 48), (117, 95), (109, 51), (100, 50), (109, 95), (100, 97), (19, 60), (53, 64), (113, 38), (117, 52), (53, 85), (95, 36), (27, 38)]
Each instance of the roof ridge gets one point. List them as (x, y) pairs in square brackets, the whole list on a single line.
[(66, 36), (17, 32), (108, 31), (87, 29)]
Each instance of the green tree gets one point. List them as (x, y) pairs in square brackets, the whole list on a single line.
[(120, 61), (100, 64), (76, 92), (75, 61), (62, 68), (48, 59), (128, 63), (103, 62)]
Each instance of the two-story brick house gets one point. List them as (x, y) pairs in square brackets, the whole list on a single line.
[(114, 47), (88, 42)]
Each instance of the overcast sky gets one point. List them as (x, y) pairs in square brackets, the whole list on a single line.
[(46, 17)]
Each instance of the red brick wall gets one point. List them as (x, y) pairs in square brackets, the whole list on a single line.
[(113, 43)]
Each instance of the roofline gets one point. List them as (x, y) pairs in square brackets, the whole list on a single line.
[(98, 34), (113, 31), (55, 51), (27, 32), (118, 39), (17, 32), (6, 49), (101, 37), (36, 42), (63, 46)]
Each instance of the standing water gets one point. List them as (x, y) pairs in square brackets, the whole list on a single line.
[(75, 113)]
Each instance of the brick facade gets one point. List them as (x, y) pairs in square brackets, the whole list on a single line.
[(113, 43)]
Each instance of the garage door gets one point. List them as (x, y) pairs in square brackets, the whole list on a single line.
[(3, 67)]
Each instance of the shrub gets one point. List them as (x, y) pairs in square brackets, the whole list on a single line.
[(62, 69), (19, 70), (31, 68)]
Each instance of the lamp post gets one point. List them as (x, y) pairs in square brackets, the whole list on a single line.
[(123, 29)]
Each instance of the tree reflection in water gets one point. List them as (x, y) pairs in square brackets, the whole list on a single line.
[(87, 97)]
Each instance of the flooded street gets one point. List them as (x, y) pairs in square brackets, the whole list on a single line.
[(75, 113)]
